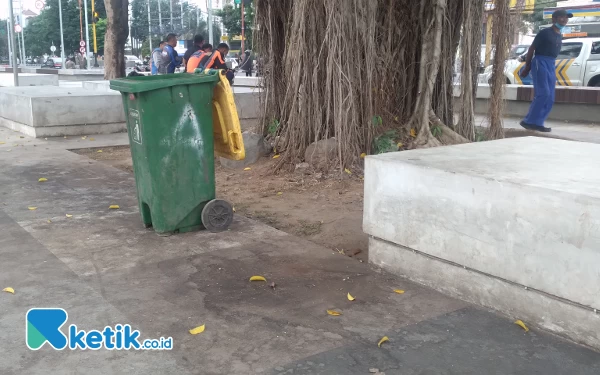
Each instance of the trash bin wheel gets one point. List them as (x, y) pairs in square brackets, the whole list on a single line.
[(217, 215)]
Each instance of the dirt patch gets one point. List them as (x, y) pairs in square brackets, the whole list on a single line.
[(327, 210), (118, 157)]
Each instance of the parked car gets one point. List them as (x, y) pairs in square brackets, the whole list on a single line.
[(132, 61), (53, 62), (518, 50), (231, 62), (577, 64)]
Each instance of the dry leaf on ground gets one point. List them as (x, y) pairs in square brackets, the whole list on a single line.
[(257, 278), (197, 330), (522, 325), (383, 339), (9, 290)]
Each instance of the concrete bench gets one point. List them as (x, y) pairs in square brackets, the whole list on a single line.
[(28, 79), (246, 98), (48, 111), (512, 225)]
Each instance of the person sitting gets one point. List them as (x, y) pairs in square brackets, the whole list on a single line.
[(70, 64), (194, 60)]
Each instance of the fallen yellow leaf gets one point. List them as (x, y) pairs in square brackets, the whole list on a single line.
[(43, 179), (99, 151), (350, 298), (67, 215), (279, 193), (32, 208), (92, 139), (399, 291), (347, 171), (257, 278), (396, 118), (400, 144), (114, 207), (9, 290), (413, 133), (363, 155), (383, 339), (49, 221), (276, 156), (247, 168), (334, 313), (2, 143), (84, 137), (522, 325), (197, 330)]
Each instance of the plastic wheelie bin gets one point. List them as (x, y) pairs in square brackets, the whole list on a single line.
[(176, 124)]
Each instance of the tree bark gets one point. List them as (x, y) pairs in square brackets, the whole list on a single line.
[(117, 31)]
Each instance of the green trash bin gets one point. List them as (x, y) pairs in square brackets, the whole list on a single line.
[(170, 126)]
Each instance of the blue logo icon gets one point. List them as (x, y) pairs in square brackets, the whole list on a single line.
[(44, 325)]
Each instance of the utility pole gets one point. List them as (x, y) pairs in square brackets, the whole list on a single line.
[(87, 37), (171, 10), (12, 38), (10, 47), (62, 40), (24, 56), (210, 21), (94, 20), (181, 6), (243, 32), (150, 32), (159, 18)]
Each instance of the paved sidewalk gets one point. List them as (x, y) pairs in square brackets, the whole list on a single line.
[(104, 268)]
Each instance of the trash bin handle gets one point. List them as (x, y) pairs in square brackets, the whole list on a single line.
[(221, 120), (234, 145)]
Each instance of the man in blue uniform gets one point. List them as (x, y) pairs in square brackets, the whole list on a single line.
[(546, 46)]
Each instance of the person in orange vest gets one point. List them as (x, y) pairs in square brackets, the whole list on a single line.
[(217, 61), (196, 57)]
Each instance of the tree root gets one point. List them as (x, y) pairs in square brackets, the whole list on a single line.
[(444, 133)]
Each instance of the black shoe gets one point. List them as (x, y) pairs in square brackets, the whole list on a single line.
[(528, 126), (544, 129)]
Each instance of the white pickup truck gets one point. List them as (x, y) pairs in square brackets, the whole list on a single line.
[(578, 64)]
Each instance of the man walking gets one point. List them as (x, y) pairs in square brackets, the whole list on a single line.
[(158, 59), (174, 60), (546, 46)]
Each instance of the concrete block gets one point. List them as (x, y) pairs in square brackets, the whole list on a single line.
[(53, 111), (524, 210), (537, 309), (255, 147), (28, 79), (103, 85), (247, 101)]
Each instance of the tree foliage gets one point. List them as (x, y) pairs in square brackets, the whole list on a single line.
[(232, 21), (43, 31), (536, 19)]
